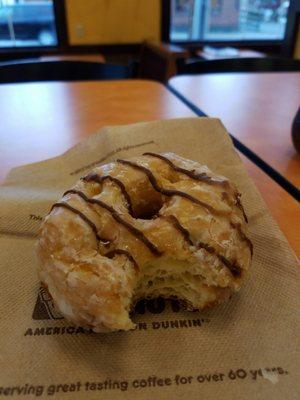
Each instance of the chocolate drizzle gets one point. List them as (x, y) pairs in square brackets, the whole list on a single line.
[(190, 173), (93, 177), (243, 236), (233, 267), (82, 216), (166, 192), (185, 233), (112, 253), (201, 177), (137, 233), (239, 205)]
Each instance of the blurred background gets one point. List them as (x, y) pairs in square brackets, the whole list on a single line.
[(127, 31), (213, 57), (32, 22)]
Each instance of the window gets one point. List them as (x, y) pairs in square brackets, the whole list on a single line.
[(228, 20), (26, 23)]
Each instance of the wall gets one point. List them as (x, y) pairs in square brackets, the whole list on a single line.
[(93, 22)]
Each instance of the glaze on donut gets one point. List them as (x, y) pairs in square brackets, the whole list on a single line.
[(154, 225)]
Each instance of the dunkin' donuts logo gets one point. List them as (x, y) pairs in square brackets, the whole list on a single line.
[(45, 309)]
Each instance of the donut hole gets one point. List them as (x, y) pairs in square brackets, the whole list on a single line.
[(149, 209)]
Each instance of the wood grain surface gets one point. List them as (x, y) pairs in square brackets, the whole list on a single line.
[(257, 108)]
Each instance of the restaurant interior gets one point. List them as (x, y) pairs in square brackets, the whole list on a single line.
[(235, 60), (178, 122)]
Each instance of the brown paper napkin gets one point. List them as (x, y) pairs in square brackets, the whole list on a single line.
[(248, 348)]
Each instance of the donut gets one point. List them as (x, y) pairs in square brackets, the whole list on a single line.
[(149, 226)]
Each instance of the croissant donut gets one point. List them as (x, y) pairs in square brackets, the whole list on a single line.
[(154, 225)]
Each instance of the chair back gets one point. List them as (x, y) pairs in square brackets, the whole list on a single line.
[(38, 71), (261, 64)]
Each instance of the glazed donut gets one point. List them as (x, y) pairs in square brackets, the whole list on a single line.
[(154, 225)]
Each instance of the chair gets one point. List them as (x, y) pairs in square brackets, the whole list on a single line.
[(35, 71), (267, 64), (158, 60)]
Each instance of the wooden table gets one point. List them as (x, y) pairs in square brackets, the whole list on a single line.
[(42, 120), (257, 108)]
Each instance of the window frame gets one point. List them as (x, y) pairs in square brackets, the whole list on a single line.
[(63, 46), (272, 45), (34, 51), (293, 25)]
